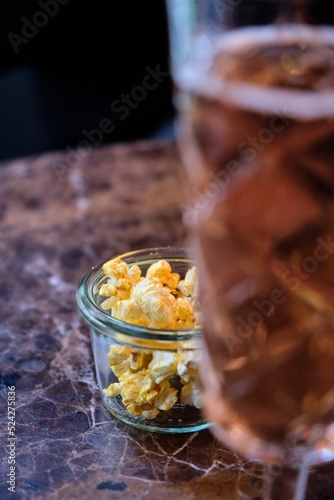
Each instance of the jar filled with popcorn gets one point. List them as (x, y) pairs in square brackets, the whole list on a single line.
[(142, 310)]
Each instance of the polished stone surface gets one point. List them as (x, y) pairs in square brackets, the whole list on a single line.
[(61, 214)]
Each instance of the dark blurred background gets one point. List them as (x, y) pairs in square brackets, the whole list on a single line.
[(82, 70)]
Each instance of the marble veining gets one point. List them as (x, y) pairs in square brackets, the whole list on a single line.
[(57, 221)]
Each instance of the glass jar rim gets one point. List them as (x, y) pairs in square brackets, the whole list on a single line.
[(102, 321)]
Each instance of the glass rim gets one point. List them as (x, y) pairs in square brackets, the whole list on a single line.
[(102, 321)]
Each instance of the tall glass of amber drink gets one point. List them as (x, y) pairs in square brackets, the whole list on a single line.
[(254, 91)]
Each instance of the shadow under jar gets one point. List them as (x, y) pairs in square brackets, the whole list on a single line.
[(132, 348)]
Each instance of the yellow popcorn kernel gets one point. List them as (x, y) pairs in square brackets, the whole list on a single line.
[(159, 269), (190, 395), (157, 303), (115, 268), (130, 389), (121, 278), (167, 396), (140, 360), (134, 274), (188, 286), (184, 310), (182, 369), (151, 396), (162, 271), (146, 410), (134, 409), (145, 286), (113, 390), (159, 314), (127, 310), (145, 383), (172, 280), (122, 370), (120, 361), (121, 289), (189, 375), (106, 290), (118, 353), (136, 388), (187, 367), (151, 413), (163, 365), (109, 303)]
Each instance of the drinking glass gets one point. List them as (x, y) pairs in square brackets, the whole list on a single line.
[(254, 92)]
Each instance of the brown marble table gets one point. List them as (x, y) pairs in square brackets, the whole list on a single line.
[(60, 214)]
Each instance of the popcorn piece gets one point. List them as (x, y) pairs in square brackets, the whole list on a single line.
[(184, 309), (135, 410), (115, 268), (122, 370), (151, 413), (129, 311), (109, 303), (120, 290), (187, 367), (121, 278), (162, 271), (124, 361), (159, 313), (113, 390), (188, 286), (167, 396), (158, 305), (147, 411), (140, 360), (185, 313), (163, 365), (120, 361), (134, 273), (118, 353), (137, 389), (190, 394)]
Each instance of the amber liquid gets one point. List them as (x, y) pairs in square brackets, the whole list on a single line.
[(257, 137)]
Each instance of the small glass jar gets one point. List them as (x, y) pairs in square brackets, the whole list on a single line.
[(136, 346)]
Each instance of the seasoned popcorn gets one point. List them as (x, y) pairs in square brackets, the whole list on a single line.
[(163, 365), (144, 379), (120, 281), (159, 300), (147, 379)]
